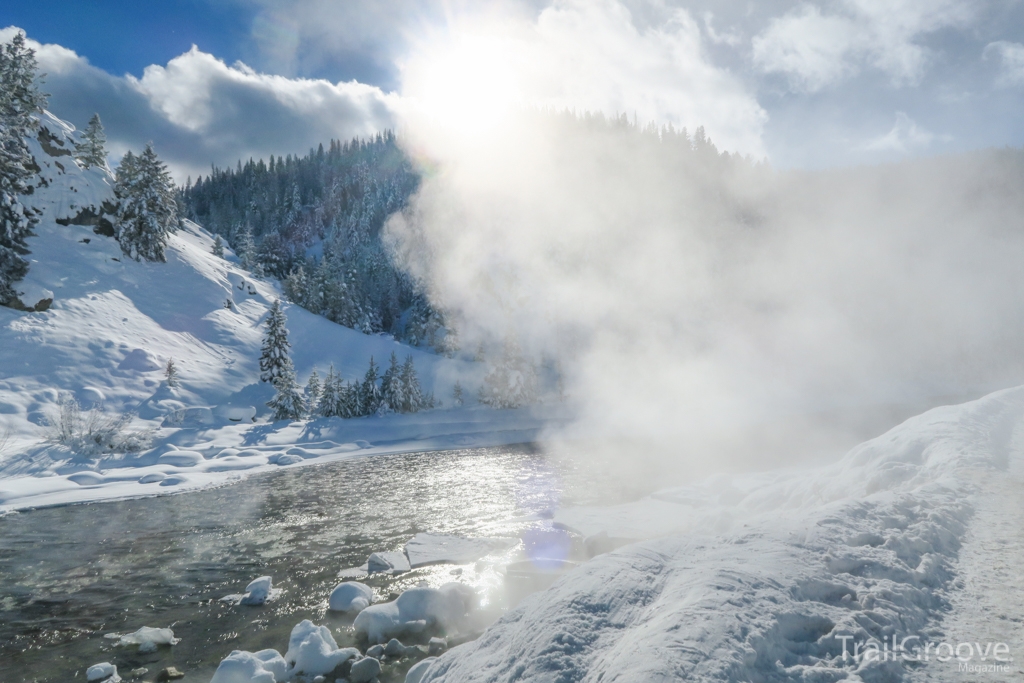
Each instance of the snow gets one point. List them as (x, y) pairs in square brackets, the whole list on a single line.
[(147, 638), (104, 671), (265, 666), (426, 549), (113, 325), (392, 562), (350, 596), (313, 651), (258, 591), (418, 670), (415, 611), (763, 576)]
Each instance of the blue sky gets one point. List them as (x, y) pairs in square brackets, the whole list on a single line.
[(809, 83)]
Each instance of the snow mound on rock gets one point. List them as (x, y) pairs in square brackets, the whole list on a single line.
[(265, 666), (416, 610), (350, 596), (312, 650), (147, 638)]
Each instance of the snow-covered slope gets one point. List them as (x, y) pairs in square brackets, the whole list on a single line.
[(768, 578), (104, 326)]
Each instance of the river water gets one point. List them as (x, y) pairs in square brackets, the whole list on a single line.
[(70, 575)]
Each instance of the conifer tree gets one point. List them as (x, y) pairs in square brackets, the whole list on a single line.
[(147, 209), (287, 403), (245, 247), (91, 149), (171, 373), (313, 391), (413, 400), (275, 359), (512, 382), (369, 394), (392, 389), (457, 394), (20, 99), (330, 398), (218, 247)]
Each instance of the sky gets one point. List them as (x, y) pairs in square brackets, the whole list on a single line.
[(805, 84)]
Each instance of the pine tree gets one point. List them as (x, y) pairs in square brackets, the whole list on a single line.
[(147, 208), (313, 392), (91, 150), (20, 99), (392, 388), (275, 360), (171, 373), (457, 394), (369, 394), (413, 400), (330, 395), (218, 247), (287, 403), (245, 247), (512, 382)]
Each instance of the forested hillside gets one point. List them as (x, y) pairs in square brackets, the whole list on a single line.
[(315, 222)]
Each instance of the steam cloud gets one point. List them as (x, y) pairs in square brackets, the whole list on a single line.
[(709, 312)]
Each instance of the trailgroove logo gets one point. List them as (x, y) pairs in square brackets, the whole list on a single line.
[(974, 657)]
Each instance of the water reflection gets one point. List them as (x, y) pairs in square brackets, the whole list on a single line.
[(69, 575)]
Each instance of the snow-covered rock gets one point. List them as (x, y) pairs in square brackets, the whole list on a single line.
[(394, 562), (104, 671), (418, 670), (258, 591), (350, 596), (365, 670), (416, 610), (181, 458), (265, 666), (426, 549), (147, 638), (312, 650)]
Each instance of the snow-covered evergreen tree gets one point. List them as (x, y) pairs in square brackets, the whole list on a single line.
[(287, 403), (457, 394), (218, 247), (171, 373), (91, 149), (20, 99), (392, 389), (413, 400), (369, 394), (275, 359), (313, 391), (147, 208), (512, 382), (246, 249), (330, 396)]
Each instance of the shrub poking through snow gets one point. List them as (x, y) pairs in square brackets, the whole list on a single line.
[(171, 373), (93, 432)]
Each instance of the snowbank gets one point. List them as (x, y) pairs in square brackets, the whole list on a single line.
[(766, 577)]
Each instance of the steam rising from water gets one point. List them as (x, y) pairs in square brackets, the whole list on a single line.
[(708, 312)]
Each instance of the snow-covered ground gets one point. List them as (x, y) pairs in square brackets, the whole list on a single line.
[(913, 538), (114, 323)]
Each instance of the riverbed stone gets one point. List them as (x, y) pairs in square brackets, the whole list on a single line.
[(169, 674), (365, 670), (377, 651), (436, 646)]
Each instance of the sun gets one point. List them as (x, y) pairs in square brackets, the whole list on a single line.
[(464, 85)]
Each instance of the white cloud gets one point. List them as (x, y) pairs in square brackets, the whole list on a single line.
[(815, 49), (905, 136), (1011, 57), (198, 110)]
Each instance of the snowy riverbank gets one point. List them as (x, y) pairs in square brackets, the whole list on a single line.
[(769, 577)]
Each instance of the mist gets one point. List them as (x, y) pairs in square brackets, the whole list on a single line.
[(707, 312)]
